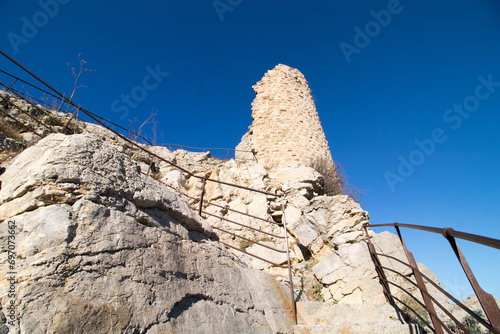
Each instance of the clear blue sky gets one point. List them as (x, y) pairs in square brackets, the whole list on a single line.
[(385, 75)]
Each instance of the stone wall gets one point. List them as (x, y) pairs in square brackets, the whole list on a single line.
[(286, 127)]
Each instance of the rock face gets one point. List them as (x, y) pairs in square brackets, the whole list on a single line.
[(286, 127), (100, 247)]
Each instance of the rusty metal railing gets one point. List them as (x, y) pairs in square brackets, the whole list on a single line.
[(94, 118), (230, 152), (486, 300)]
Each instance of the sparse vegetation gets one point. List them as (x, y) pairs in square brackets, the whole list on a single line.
[(335, 179), (415, 312), (471, 324), (12, 133), (146, 222), (315, 293), (150, 120), (244, 244)]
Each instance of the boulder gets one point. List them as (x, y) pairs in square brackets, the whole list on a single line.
[(122, 254)]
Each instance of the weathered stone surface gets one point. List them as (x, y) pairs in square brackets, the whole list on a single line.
[(124, 254), (100, 244), (83, 164), (327, 266), (266, 253), (327, 317)]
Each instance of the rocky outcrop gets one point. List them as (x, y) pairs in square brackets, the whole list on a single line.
[(106, 236), (101, 247)]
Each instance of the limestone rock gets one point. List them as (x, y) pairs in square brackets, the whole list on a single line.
[(325, 318), (123, 254)]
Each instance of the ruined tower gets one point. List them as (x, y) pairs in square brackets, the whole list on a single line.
[(286, 126)]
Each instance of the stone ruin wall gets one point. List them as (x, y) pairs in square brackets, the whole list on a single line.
[(286, 127)]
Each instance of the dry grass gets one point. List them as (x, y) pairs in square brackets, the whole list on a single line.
[(7, 155), (10, 131)]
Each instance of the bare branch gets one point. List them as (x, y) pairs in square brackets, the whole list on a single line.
[(82, 69)]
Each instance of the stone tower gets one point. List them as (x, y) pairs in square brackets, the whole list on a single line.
[(286, 126)]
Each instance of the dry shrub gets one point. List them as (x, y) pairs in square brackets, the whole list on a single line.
[(335, 179), (9, 131)]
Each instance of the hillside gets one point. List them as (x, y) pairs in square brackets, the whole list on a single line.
[(109, 234)]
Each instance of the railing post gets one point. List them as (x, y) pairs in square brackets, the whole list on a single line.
[(200, 208), (292, 295), (486, 300), (150, 165), (421, 285), (378, 268), (12, 84)]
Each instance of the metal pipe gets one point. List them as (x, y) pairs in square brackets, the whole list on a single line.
[(456, 301), (70, 119), (253, 255), (430, 296), (378, 268), (292, 295), (202, 195), (243, 225), (486, 300), (254, 242)]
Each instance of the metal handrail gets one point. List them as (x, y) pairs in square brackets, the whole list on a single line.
[(242, 225), (487, 301), (102, 121), (429, 295), (435, 285), (205, 149), (243, 213), (448, 231)]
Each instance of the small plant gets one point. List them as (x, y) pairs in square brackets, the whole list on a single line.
[(315, 292), (156, 175), (413, 311), (77, 75), (145, 221), (150, 120), (471, 324), (310, 263), (244, 244)]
